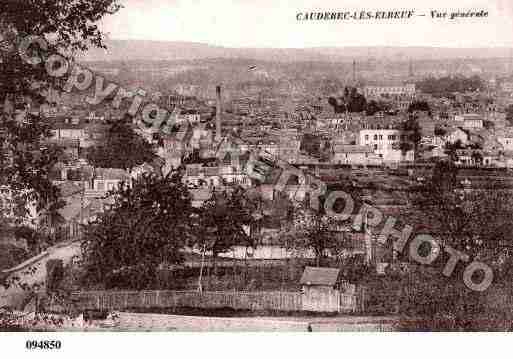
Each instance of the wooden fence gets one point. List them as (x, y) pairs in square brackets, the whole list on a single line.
[(274, 301)]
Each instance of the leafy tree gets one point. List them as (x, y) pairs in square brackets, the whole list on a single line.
[(311, 144), (445, 86), (312, 232), (373, 107), (475, 221), (509, 114), (122, 148), (337, 106), (440, 131), (354, 101), (223, 220), (25, 161), (146, 226), (419, 106), (413, 127)]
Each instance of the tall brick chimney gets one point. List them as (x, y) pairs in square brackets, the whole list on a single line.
[(218, 114)]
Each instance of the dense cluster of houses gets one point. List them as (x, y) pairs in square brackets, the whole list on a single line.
[(214, 150)]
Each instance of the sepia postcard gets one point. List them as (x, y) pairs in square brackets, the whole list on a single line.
[(255, 166)]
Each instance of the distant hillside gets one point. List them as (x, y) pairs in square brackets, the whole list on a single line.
[(161, 50)]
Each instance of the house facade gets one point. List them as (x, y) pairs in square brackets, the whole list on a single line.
[(386, 144), (354, 155), (399, 90)]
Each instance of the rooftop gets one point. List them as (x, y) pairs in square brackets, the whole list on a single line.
[(320, 276)]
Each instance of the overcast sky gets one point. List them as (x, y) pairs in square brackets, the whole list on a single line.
[(272, 23)]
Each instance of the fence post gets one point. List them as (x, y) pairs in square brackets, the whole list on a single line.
[(363, 298)]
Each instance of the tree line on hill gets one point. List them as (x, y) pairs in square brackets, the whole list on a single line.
[(151, 220), (352, 101), (446, 86)]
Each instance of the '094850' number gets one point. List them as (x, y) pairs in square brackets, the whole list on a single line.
[(43, 344)]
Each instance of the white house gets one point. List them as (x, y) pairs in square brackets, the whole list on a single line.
[(108, 179), (399, 90), (68, 129), (354, 155), (456, 134), (386, 143), (217, 176), (469, 120), (505, 138)]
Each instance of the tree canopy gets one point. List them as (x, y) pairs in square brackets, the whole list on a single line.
[(66, 27), (444, 86), (147, 225), (313, 232), (419, 106), (121, 148), (474, 220), (224, 222)]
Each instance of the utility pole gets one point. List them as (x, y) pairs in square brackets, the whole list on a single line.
[(82, 194), (369, 248), (200, 287)]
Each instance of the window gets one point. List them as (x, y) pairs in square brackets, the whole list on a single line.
[(375, 147), (100, 185), (366, 137), (375, 137), (380, 137)]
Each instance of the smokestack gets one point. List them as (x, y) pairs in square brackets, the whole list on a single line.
[(218, 114), (354, 72)]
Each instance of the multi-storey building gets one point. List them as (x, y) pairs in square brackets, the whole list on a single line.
[(386, 143), (354, 155), (469, 120), (217, 176), (407, 90)]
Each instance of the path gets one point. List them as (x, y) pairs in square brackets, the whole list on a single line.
[(33, 271)]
